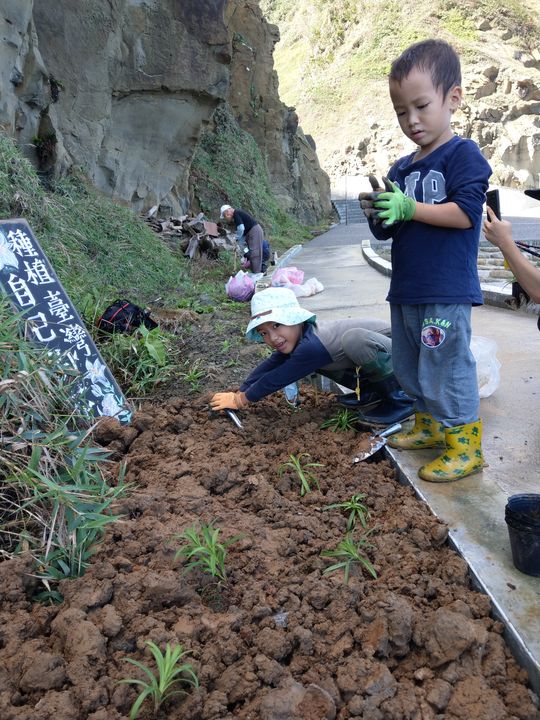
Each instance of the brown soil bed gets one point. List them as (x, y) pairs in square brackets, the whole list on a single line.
[(282, 640)]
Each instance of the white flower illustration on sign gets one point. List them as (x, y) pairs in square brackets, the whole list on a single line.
[(8, 259), (95, 371), (110, 405)]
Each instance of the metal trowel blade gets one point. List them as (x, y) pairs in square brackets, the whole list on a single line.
[(234, 417), (377, 442)]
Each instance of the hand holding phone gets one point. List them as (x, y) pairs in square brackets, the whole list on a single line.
[(493, 202)]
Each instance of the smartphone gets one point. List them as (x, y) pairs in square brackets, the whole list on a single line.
[(533, 193), (492, 201)]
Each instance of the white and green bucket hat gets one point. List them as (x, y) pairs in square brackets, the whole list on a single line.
[(277, 305)]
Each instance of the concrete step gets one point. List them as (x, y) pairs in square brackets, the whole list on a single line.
[(490, 261), (349, 211)]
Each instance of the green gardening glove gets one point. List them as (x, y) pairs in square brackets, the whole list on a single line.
[(393, 205), (367, 200)]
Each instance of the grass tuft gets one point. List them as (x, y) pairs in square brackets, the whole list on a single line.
[(55, 496)]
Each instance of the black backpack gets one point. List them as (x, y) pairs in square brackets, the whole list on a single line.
[(125, 317)]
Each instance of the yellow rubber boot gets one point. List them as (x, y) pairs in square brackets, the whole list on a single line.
[(425, 433), (462, 457)]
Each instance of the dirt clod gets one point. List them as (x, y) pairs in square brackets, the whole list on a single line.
[(280, 638)]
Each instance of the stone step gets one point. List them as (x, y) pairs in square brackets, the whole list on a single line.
[(349, 211), (490, 259)]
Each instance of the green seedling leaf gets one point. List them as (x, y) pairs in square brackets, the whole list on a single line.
[(341, 421), (302, 468), (350, 554), (357, 511), (203, 549), (164, 685)]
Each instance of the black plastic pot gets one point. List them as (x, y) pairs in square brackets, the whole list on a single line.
[(522, 515)]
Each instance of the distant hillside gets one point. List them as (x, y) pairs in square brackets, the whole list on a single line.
[(333, 59)]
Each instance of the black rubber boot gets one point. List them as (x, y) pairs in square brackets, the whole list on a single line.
[(368, 399), (394, 407)]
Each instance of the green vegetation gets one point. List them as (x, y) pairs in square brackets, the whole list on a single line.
[(340, 422), (228, 167), (193, 375), (351, 554), (170, 674), (140, 361), (458, 24), (97, 248), (203, 549), (334, 55), (356, 509), (56, 496), (299, 465), (276, 9)]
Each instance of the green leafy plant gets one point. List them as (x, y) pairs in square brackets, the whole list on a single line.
[(350, 553), (170, 674), (356, 509), (74, 540), (302, 468), (196, 305), (203, 549), (140, 361), (55, 501), (341, 421), (193, 376)]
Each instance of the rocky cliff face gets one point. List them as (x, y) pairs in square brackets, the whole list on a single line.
[(334, 58), (253, 95), (121, 90), (500, 111)]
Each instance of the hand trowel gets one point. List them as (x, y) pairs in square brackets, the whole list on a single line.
[(376, 442), (234, 417)]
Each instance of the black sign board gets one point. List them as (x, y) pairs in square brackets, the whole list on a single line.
[(27, 278)]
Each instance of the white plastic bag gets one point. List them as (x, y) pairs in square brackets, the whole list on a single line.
[(487, 365), (240, 287), (311, 287)]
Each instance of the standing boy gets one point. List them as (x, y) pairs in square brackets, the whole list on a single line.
[(432, 210)]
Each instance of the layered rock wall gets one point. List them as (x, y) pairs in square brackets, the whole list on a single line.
[(24, 80), (300, 185), (138, 82), (121, 90), (500, 112)]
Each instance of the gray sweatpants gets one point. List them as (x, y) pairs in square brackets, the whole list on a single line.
[(355, 343), (254, 240), (433, 361)]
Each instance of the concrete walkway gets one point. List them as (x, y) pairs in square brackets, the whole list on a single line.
[(473, 508)]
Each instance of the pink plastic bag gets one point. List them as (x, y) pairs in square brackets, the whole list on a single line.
[(287, 276), (240, 287)]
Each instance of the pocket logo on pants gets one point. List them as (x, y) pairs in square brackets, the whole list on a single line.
[(432, 336)]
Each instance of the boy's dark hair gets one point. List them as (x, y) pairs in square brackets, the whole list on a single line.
[(435, 56)]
